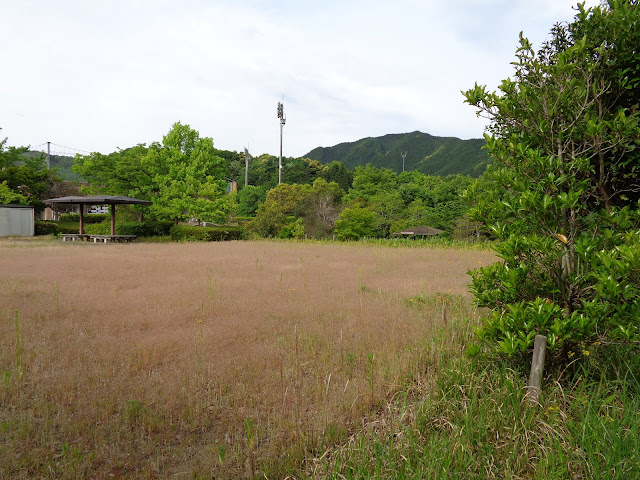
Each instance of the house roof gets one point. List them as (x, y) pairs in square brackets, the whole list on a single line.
[(421, 230)]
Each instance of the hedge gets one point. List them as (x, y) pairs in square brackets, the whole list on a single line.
[(103, 228), (87, 217), (206, 234), (147, 228), (67, 227), (44, 227)]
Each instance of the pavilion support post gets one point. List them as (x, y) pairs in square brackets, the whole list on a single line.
[(112, 208), (81, 210)]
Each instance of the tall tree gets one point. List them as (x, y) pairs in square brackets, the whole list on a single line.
[(356, 222), (369, 181), (26, 180), (322, 207), (249, 199), (187, 177), (282, 204), (300, 170), (9, 196), (337, 172), (263, 171), (118, 173), (565, 172)]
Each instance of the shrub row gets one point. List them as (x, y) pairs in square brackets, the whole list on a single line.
[(67, 227), (87, 218), (206, 234), (147, 228), (144, 229), (140, 229)]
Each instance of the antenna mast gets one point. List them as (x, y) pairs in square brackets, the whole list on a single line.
[(283, 120), (246, 166), (404, 154)]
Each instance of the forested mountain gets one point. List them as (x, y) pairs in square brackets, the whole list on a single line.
[(62, 163), (425, 153)]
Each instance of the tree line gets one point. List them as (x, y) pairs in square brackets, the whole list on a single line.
[(187, 178)]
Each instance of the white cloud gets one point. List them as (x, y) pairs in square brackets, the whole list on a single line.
[(101, 75)]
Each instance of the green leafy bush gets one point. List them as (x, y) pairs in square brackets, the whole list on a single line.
[(293, 229), (44, 227), (565, 201), (206, 234), (355, 223)]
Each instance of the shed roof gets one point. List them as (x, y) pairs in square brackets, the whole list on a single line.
[(16, 206)]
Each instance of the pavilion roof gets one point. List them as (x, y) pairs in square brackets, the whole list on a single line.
[(421, 230), (98, 200)]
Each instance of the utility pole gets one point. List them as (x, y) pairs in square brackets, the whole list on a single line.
[(246, 167), (404, 154), (283, 120), (48, 155)]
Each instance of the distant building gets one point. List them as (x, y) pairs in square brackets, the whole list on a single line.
[(232, 186), (98, 209)]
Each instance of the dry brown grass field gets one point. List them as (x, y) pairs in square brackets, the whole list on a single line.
[(207, 360)]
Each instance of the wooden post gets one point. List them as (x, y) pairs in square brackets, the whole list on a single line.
[(444, 313), (81, 210), (112, 207), (532, 394)]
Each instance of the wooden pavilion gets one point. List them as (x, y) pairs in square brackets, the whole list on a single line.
[(420, 231), (111, 200)]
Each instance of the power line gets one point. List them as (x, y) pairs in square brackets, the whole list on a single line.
[(58, 150)]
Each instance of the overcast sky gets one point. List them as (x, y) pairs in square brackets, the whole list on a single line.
[(102, 75)]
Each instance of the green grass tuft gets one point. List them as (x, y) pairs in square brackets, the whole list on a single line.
[(469, 421)]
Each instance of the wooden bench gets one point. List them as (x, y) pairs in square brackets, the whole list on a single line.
[(74, 237), (112, 238)]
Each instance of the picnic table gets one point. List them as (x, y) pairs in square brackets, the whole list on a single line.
[(74, 237), (112, 238), (77, 237)]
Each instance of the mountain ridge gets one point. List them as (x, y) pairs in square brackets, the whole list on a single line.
[(425, 153)]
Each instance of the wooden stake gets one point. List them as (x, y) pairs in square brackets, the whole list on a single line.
[(444, 313), (532, 394)]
